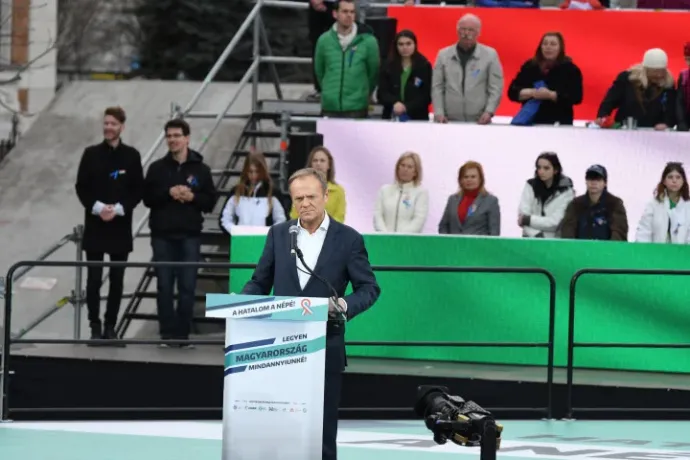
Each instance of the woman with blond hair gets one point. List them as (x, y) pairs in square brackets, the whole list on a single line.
[(321, 159), (402, 207), (472, 210), (253, 201)]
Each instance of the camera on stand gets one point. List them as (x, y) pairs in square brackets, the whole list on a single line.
[(464, 423)]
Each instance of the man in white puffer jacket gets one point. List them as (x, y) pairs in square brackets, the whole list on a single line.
[(545, 199)]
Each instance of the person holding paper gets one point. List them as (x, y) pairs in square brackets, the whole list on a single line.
[(336, 253)]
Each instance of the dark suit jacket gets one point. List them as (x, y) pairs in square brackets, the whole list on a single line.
[(343, 260)]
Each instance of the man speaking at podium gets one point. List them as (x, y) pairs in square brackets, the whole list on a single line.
[(337, 256)]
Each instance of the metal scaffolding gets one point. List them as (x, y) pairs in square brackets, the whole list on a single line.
[(76, 298)]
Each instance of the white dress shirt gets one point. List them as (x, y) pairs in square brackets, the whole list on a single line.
[(311, 245)]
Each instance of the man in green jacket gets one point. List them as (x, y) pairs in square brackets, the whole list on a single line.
[(346, 64)]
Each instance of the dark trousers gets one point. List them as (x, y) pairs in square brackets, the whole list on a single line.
[(175, 324), (331, 403), (319, 23), (94, 277)]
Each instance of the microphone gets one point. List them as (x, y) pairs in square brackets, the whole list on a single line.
[(294, 230), (294, 249)]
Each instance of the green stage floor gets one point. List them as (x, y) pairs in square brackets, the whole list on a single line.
[(359, 440)]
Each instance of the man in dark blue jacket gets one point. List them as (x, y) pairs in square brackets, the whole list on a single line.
[(334, 252), (178, 189)]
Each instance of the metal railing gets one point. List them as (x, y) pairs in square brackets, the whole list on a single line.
[(74, 297), (253, 20), (572, 344), (8, 340), (176, 111), (221, 180)]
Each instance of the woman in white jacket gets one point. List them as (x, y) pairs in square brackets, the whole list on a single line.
[(253, 201), (666, 218), (545, 198), (402, 207)]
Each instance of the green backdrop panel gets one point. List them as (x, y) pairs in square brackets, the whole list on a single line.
[(514, 307)]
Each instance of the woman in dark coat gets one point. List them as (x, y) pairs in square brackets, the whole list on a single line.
[(405, 81), (548, 85)]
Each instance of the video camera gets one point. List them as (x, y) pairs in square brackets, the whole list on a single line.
[(463, 422)]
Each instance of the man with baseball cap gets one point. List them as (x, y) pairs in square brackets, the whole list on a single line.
[(644, 93), (596, 215)]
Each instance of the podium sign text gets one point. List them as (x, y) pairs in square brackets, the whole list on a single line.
[(274, 375)]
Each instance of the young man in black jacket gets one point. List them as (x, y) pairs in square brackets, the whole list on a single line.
[(178, 189), (109, 185)]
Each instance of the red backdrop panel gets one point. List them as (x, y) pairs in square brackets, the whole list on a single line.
[(602, 43)]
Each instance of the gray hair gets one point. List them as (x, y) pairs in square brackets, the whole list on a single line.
[(307, 172), (469, 17)]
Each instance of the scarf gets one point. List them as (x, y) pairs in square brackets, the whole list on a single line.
[(541, 193), (468, 198)]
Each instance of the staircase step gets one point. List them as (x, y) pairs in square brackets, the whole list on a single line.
[(152, 295), (245, 153), (205, 232), (294, 107), (216, 256), (201, 275), (260, 115), (262, 134), (195, 319), (225, 172), (208, 237), (237, 173)]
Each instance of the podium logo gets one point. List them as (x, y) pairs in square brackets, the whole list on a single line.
[(306, 307)]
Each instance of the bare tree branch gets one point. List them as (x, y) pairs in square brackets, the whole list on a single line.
[(18, 70), (79, 22), (24, 67), (89, 32)]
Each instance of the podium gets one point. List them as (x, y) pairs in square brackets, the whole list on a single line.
[(274, 375)]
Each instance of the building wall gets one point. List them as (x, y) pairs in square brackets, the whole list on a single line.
[(40, 79), (29, 31)]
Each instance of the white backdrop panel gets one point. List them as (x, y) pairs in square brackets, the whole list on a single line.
[(366, 151)]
